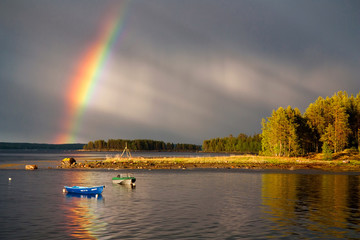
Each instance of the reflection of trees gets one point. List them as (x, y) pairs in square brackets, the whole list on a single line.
[(277, 195), (353, 201), (325, 204)]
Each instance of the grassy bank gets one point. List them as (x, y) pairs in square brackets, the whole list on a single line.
[(345, 162)]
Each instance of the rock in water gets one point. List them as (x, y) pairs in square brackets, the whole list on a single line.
[(31, 167), (68, 162)]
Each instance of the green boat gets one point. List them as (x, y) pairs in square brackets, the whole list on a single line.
[(125, 179)]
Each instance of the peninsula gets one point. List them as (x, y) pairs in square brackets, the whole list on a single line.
[(344, 161)]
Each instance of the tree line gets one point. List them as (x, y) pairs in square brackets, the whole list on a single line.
[(139, 145), (242, 144), (11, 145), (330, 124)]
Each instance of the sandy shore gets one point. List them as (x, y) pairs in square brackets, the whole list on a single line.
[(243, 162)]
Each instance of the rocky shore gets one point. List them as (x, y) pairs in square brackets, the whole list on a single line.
[(242, 162)]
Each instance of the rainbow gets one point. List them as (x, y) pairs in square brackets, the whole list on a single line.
[(89, 68)]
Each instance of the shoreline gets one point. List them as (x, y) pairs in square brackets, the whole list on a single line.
[(225, 162)]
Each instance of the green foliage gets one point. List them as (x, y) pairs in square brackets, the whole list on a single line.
[(280, 135), (241, 144), (332, 121), (327, 152), (140, 144)]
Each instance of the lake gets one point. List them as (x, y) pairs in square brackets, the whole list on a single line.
[(17, 159), (178, 204)]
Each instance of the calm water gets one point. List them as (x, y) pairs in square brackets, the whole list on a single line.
[(17, 159), (180, 204)]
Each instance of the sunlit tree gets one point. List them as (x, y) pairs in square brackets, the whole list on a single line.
[(279, 133)]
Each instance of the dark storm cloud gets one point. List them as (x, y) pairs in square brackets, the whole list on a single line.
[(183, 71)]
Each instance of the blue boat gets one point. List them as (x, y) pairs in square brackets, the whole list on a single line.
[(84, 190)]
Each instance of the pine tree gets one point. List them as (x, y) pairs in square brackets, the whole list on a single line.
[(327, 153), (332, 121), (341, 128), (279, 133)]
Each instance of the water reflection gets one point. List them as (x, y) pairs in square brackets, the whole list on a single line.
[(320, 204), (127, 187), (83, 210), (89, 196)]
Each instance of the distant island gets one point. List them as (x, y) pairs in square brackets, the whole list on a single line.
[(240, 144), (138, 145), (12, 145)]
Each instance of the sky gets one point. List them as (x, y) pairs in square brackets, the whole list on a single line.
[(176, 71)]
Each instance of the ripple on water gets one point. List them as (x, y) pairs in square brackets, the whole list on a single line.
[(178, 204)]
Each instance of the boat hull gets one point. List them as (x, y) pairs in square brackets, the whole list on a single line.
[(124, 180), (85, 190)]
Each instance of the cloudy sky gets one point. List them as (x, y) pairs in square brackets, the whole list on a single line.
[(180, 71)]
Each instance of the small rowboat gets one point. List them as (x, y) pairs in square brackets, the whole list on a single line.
[(123, 179), (84, 190)]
